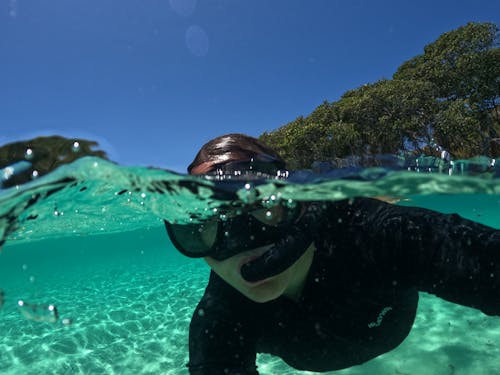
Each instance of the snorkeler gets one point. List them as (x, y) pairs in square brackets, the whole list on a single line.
[(322, 285)]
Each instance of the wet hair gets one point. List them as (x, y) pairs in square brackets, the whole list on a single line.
[(234, 147)]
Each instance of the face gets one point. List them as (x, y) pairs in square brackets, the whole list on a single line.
[(288, 283)]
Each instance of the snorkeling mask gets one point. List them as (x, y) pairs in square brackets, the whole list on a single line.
[(290, 234), (287, 229), (228, 234), (255, 168)]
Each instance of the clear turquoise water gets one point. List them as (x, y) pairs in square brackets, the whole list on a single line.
[(97, 251)]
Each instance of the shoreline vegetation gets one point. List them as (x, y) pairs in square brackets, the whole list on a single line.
[(443, 103)]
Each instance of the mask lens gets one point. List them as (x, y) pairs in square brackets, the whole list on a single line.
[(193, 240), (252, 229), (270, 216)]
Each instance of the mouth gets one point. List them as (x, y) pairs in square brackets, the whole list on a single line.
[(252, 255)]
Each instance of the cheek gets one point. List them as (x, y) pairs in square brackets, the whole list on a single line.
[(227, 269)]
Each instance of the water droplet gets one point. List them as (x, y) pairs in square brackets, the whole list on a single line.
[(197, 41), (28, 155), (13, 8), (7, 173)]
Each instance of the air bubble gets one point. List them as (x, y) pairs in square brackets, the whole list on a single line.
[(28, 155), (38, 313), (269, 215), (290, 203), (75, 147)]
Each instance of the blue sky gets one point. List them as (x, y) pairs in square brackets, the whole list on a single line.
[(152, 80)]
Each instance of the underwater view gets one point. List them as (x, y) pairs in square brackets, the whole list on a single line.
[(91, 283)]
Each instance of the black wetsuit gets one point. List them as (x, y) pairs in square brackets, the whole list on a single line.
[(361, 293)]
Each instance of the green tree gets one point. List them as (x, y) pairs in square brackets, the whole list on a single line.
[(44, 155), (390, 115), (451, 125), (464, 65), (450, 94)]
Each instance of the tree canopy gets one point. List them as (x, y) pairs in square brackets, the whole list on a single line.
[(449, 95), (44, 154)]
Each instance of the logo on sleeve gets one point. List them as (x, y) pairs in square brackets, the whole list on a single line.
[(380, 317)]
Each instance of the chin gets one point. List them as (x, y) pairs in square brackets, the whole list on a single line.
[(263, 291)]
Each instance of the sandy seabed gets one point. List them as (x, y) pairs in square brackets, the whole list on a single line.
[(135, 319)]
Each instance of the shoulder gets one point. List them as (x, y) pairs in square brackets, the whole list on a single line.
[(346, 212)]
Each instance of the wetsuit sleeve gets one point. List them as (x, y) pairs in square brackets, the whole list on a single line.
[(221, 335), (443, 254)]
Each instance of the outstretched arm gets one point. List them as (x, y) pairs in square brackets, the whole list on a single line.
[(446, 255)]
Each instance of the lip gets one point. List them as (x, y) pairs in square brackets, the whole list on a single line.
[(250, 255)]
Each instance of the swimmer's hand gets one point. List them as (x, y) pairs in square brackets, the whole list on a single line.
[(287, 250)]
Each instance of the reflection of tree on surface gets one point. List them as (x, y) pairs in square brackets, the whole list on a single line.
[(42, 155)]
